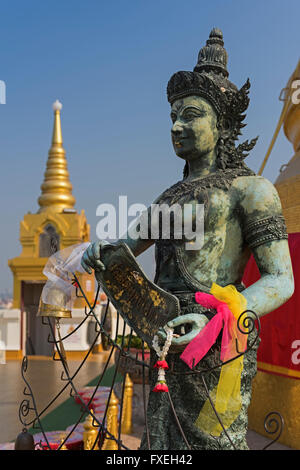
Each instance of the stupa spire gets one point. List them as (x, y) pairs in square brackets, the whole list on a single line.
[(56, 187)]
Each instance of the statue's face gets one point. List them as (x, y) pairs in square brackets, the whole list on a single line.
[(194, 132)]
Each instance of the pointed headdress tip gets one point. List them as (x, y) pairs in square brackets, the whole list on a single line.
[(213, 56), (209, 77), (215, 37)]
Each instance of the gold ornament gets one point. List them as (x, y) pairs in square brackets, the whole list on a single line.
[(127, 406), (112, 423), (90, 433)]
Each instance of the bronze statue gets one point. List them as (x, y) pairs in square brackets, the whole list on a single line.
[(242, 215)]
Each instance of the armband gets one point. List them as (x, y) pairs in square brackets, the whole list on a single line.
[(265, 230)]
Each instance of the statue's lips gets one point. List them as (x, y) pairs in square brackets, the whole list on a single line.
[(178, 141)]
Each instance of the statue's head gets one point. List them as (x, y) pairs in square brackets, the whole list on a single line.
[(207, 110), (195, 130)]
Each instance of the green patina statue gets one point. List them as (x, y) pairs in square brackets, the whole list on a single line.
[(242, 214)]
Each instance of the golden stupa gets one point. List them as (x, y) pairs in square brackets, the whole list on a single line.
[(56, 189), (274, 392), (288, 181), (55, 226)]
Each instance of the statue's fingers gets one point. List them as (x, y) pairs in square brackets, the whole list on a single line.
[(86, 267), (96, 250), (182, 340), (88, 257), (178, 321), (162, 334), (91, 261), (192, 318), (96, 257), (99, 265), (90, 252)]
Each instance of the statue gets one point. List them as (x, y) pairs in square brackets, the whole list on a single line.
[(242, 214)]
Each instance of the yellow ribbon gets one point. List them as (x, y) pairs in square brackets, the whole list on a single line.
[(226, 396)]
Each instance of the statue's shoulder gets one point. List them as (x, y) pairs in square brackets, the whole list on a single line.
[(254, 183), (255, 192)]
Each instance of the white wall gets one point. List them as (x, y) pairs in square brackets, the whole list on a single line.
[(10, 328)]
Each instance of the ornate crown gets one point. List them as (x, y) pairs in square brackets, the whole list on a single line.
[(209, 80)]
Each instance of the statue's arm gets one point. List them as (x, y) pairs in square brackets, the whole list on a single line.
[(264, 232), (137, 246), (138, 235), (276, 284), (136, 238)]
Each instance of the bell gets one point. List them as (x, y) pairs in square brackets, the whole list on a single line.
[(58, 292), (57, 299), (56, 303), (24, 441), (48, 310)]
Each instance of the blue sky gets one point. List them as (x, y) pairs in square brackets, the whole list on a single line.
[(109, 62)]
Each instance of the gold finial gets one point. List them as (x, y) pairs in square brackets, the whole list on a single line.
[(127, 406), (56, 188), (63, 445), (90, 433), (57, 134), (112, 423)]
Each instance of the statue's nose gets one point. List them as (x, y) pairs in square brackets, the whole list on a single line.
[(176, 130)]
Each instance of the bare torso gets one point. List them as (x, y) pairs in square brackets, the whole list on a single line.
[(224, 253), (226, 249)]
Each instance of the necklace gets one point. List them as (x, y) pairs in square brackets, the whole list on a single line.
[(221, 179), (161, 364)]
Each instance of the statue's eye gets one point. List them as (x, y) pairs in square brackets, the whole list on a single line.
[(191, 115), (173, 117)]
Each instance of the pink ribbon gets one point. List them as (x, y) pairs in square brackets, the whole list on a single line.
[(201, 344)]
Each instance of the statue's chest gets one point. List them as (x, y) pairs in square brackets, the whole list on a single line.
[(209, 211), (218, 209), (214, 193)]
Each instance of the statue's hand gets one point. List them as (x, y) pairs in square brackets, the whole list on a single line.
[(197, 321), (91, 257)]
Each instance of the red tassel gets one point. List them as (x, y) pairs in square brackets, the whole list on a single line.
[(161, 365), (160, 387)]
